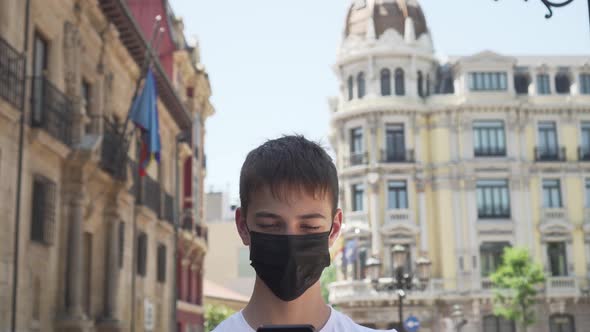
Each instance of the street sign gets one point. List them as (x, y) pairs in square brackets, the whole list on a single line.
[(412, 324), (148, 319)]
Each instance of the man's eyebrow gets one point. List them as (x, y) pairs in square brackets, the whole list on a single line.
[(264, 214), (312, 216)]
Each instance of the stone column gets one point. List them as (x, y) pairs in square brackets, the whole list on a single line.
[(374, 213), (112, 270), (95, 109), (421, 188), (75, 272)]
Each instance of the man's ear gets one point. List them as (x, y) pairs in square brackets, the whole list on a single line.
[(242, 227), (336, 226)]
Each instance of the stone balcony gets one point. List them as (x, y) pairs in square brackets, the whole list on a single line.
[(355, 223), (401, 220), (362, 290), (552, 214), (562, 286)]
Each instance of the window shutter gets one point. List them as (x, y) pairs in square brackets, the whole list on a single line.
[(49, 212), (38, 212)]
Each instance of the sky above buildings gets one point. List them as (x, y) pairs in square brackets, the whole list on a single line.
[(270, 61)]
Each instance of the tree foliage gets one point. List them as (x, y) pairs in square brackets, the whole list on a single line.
[(328, 277), (515, 284), (215, 314)]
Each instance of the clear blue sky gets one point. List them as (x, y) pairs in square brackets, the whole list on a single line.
[(270, 61)]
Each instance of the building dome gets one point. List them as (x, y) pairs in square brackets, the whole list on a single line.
[(381, 15)]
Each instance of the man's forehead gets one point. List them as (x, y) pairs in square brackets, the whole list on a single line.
[(289, 194)]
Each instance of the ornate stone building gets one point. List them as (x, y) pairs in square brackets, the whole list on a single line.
[(454, 160), (96, 244)]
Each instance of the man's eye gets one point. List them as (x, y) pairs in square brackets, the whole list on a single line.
[(265, 226), (311, 227)]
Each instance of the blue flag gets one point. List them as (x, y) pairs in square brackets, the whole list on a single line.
[(144, 114)]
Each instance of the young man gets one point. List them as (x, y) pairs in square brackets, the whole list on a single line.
[(289, 218)]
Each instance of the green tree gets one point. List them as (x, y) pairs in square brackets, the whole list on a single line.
[(214, 315), (515, 284), (328, 277)]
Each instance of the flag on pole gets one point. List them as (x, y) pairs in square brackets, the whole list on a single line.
[(144, 114)]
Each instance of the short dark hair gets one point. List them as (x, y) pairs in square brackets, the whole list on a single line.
[(285, 163)]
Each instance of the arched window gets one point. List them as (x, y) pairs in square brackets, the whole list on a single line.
[(561, 323), (562, 83), (400, 88), (350, 88), (420, 84), (521, 83), (385, 82), (428, 84), (360, 85)]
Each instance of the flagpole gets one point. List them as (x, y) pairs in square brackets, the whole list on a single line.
[(155, 40)]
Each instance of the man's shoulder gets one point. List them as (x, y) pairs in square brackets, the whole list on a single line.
[(344, 323), (234, 323)]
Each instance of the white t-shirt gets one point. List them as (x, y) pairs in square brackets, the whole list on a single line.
[(338, 322)]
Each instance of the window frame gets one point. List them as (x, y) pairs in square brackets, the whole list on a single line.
[(548, 188), (487, 192), (399, 82), (161, 263), (543, 81), (493, 251), (385, 76), (488, 81), (556, 253), (357, 191), (361, 88), (489, 128), (142, 248), (399, 190), (584, 79)]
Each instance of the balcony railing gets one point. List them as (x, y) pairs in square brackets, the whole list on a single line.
[(151, 195), (554, 213), (489, 151), (113, 157), (51, 110), (493, 212), (355, 159), (561, 285), (12, 65), (584, 153), (550, 154), (486, 284), (404, 156), (398, 216)]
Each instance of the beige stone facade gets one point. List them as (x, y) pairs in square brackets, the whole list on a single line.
[(77, 208)]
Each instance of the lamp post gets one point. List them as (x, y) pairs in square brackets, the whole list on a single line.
[(458, 317), (402, 280), (181, 137)]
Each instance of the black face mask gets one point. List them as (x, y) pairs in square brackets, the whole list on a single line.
[(289, 264)]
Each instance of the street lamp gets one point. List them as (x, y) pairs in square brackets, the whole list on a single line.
[(458, 317), (403, 280)]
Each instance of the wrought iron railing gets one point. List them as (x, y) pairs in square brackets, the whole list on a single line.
[(394, 156), (151, 195), (51, 110), (358, 158), (550, 154), (489, 151), (12, 65), (493, 212), (113, 158), (584, 153)]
